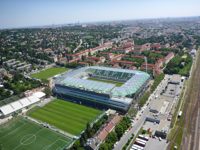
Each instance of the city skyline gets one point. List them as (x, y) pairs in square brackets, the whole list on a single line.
[(16, 14)]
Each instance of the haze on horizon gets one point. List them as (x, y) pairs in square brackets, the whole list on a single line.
[(25, 13)]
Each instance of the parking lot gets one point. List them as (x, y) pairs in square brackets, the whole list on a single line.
[(162, 104), (159, 110), (155, 144)]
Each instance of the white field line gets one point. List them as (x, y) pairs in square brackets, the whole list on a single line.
[(49, 146), (13, 131), (28, 139)]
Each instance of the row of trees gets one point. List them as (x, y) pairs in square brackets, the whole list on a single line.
[(152, 39), (69, 65), (179, 65), (89, 132), (146, 95), (137, 61), (17, 85), (115, 135)]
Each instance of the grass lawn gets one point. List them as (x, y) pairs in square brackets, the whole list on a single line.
[(22, 134), (45, 74), (107, 81), (67, 116)]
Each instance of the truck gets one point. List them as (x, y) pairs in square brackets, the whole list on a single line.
[(180, 114)]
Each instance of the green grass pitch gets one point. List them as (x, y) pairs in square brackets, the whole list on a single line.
[(107, 81), (22, 134), (45, 74), (67, 116)]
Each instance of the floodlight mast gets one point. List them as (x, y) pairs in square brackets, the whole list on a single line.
[(145, 59)]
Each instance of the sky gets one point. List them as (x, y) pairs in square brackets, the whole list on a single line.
[(26, 13)]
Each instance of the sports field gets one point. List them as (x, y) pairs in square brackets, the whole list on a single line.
[(45, 74), (22, 134), (67, 116), (107, 81)]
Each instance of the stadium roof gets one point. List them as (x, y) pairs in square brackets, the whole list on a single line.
[(88, 85), (131, 86), (134, 80), (22, 103)]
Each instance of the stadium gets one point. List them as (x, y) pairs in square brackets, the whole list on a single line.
[(101, 86)]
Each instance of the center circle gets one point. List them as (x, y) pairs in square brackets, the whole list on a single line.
[(28, 139)]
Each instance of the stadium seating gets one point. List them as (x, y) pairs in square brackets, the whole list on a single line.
[(112, 75)]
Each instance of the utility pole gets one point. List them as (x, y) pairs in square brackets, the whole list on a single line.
[(145, 59)]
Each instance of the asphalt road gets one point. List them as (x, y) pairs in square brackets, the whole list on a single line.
[(134, 130), (140, 118)]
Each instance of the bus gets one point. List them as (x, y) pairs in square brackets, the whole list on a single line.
[(138, 139), (135, 146), (143, 137), (142, 144)]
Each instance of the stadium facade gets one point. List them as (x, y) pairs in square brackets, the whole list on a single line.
[(76, 85)]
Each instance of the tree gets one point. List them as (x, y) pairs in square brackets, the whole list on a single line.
[(119, 131), (76, 145), (104, 146), (112, 137), (88, 130), (47, 91)]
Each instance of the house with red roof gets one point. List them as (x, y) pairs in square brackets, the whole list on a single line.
[(94, 143), (169, 57)]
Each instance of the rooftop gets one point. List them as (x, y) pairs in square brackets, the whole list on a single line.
[(78, 79)]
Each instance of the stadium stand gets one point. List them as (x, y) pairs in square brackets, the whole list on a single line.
[(76, 84), (22, 103)]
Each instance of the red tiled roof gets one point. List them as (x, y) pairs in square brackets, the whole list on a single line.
[(137, 56), (108, 128), (83, 63), (149, 66), (74, 60), (94, 58), (102, 135), (116, 119), (171, 54), (158, 52), (123, 62)]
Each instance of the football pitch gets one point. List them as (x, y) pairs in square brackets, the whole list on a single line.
[(22, 134), (67, 116), (107, 81), (45, 74)]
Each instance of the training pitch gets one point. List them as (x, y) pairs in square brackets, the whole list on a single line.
[(45, 74), (22, 134), (67, 116)]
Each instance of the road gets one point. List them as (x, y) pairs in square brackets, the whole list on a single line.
[(191, 134), (140, 119), (81, 41), (138, 123), (134, 130)]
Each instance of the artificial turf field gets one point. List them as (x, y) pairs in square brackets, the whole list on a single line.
[(22, 134), (67, 116), (45, 74)]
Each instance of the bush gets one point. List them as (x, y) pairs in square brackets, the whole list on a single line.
[(175, 66), (115, 135), (157, 81), (89, 132)]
